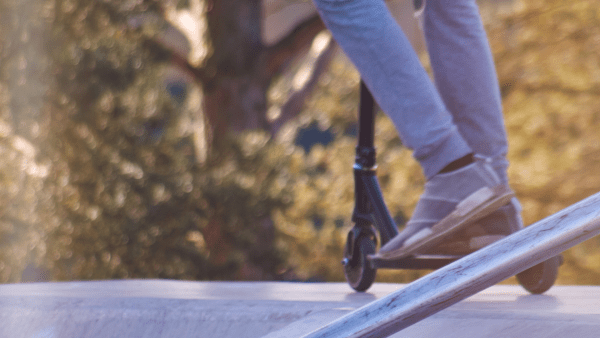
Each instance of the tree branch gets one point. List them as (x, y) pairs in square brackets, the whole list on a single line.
[(279, 55), (170, 44), (292, 107), (176, 58)]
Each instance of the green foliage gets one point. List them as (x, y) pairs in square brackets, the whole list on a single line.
[(103, 175), (132, 196), (112, 187), (549, 69), (23, 170), (23, 233)]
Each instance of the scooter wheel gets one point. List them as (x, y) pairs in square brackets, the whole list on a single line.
[(359, 273), (539, 278)]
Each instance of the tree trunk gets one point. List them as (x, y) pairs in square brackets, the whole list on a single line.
[(235, 95), (241, 68)]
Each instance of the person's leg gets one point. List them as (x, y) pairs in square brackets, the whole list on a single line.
[(466, 79), (391, 69), (465, 76)]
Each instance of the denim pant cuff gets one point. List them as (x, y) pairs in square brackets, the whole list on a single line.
[(447, 150)]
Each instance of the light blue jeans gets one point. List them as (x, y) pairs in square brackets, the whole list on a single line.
[(458, 114)]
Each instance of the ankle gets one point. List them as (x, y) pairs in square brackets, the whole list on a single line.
[(457, 164)]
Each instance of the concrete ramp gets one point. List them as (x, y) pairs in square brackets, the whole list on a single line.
[(182, 309)]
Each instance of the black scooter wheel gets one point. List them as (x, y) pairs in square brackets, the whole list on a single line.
[(539, 278), (358, 271)]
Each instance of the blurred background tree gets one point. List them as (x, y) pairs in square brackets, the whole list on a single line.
[(141, 176), (214, 139), (159, 185)]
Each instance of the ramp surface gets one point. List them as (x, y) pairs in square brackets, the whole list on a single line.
[(161, 308)]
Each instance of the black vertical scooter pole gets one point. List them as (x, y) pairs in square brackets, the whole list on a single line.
[(369, 199), (365, 152)]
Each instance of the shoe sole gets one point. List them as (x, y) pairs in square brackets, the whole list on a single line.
[(477, 205), (461, 247)]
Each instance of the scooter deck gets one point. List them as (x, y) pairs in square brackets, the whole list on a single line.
[(422, 262)]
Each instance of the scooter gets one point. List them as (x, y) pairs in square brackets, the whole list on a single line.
[(374, 225)]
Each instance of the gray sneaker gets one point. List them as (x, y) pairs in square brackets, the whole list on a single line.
[(451, 201)]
